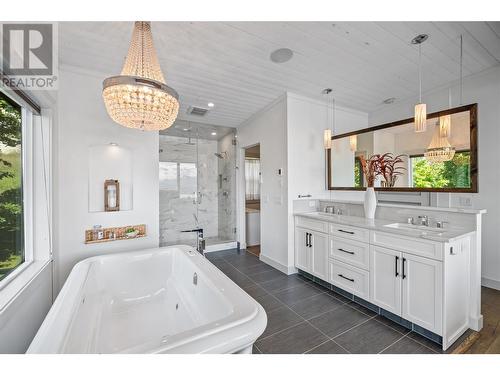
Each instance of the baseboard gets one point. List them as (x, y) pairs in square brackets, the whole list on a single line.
[(490, 283), (280, 267), (221, 246)]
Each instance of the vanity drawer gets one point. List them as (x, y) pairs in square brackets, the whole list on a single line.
[(355, 253), (350, 278), (352, 233), (417, 246), (317, 225)]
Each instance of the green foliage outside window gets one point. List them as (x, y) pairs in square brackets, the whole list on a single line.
[(449, 174), (11, 213)]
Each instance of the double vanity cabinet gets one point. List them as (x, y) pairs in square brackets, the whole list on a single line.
[(422, 277)]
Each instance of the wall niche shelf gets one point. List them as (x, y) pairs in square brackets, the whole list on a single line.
[(115, 234)]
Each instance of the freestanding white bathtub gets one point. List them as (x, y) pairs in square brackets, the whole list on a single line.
[(165, 300)]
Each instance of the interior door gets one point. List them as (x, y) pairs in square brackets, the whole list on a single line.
[(302, 250), (385, 283), (422, 291), (319, 254)]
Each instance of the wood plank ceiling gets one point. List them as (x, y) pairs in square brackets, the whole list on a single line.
[(228, 63)]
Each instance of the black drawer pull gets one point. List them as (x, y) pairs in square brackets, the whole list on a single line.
[(346, 251), (403, 275), (345, 231), (342, 276), (396, 261)]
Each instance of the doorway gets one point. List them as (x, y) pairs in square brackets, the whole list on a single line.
[(252, 198)]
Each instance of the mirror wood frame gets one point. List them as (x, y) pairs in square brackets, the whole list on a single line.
[(472, 108)]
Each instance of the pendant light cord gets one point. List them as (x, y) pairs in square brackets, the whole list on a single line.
[(420, 73), (461, 68)]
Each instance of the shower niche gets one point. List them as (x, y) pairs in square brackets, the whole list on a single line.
[(197, 166)]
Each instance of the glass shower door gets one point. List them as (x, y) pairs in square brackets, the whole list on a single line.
[(178, 180)]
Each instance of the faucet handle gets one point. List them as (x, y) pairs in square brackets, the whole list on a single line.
[(410, 220), (441, 223)]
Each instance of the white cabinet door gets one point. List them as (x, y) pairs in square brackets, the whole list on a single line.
[(422, 291), (385, 279), (319, 254), (302, 249)]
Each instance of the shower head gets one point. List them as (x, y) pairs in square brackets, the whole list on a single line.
[(221, 155)]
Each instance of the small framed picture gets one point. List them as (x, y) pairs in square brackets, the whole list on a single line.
[(111, 195)]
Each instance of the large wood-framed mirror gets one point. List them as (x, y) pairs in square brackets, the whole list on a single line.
[(419, 170)]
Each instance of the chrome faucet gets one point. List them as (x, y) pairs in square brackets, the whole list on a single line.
[(424, 220), (200, 241)]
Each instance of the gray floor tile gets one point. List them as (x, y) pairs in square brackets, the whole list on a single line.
[(370, 337), (241, 280), (329, 347), (254, 290), (282, 283), (316, 305), (262, 277), (297, 293), (407, 346), (339, 320), (255, 269), (295, 340), (279, 319), (255, 350), (426, 342), (393, 325), (268, 302), (363, 309)]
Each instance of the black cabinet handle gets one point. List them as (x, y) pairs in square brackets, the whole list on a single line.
[(310, 240), (342, 276), (396, 265), (403, 275), (345, 231), (346, 251), (307, 239)]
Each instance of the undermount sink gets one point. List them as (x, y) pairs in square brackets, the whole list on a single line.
[(416, 228)]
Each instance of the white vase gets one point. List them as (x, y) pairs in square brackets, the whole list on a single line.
[(370, 203)]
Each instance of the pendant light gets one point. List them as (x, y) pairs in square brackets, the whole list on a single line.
[(420, 108), (138, 98), (327, 133), (353, 143), (440, 149)]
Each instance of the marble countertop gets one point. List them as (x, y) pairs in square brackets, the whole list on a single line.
[(413, 207), (417, 231)]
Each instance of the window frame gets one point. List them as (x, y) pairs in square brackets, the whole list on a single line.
[(27, 155)]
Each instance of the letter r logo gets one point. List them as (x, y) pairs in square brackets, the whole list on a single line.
[(27, 49)]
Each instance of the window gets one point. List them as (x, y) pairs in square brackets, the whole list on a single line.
[(358, 173), (252, 179), (179, 178), (11, 187), (451, 174)]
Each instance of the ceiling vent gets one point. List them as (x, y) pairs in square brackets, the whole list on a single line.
[(197, 111)]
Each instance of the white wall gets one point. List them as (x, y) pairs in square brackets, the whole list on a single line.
[(83, 122), (290, 132), (268, 128), (484, 89)]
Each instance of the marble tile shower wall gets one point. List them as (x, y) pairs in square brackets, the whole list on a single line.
[(227, 188), (179, 213)]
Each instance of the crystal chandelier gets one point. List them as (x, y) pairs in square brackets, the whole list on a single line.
[(439, 149), (138, 98)]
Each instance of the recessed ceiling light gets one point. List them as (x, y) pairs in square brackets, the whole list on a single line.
[(185, 129), (211, 105), (281, 55), (113, 144), (214, 133), (389, 100)]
